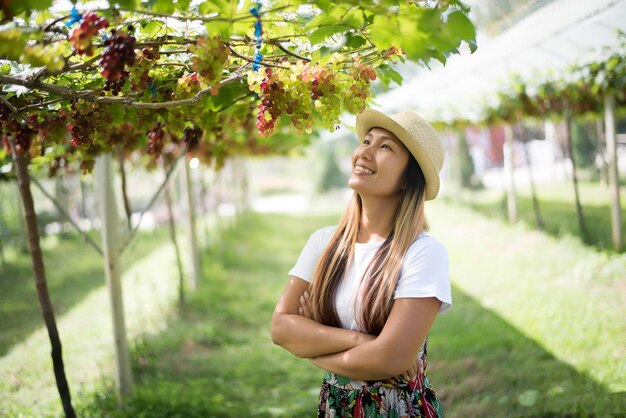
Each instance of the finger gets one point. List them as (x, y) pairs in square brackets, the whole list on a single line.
[(300, 311), (304, 306)]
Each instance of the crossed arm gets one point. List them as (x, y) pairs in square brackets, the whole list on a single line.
[(351, 353)]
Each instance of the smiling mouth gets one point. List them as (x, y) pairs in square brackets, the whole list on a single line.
[(362, 170)]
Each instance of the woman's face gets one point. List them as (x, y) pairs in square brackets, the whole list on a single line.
[(378, 164)]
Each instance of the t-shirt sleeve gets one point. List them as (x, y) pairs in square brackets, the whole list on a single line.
[(309, 255), (425, 273)]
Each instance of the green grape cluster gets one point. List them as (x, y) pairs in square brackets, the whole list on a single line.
[(326, 83), (187, 86), (210, 57), (356, 96), (140, 77)]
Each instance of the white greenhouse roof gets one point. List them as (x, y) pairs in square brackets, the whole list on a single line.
[(561, 34)]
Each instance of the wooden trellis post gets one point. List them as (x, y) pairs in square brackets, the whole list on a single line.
[(112, 270), (510, 173), (191, 226), (611, 147)]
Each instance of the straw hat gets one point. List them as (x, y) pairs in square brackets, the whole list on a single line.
[(416, 134)]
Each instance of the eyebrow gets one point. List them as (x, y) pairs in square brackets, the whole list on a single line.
[(383, 136)]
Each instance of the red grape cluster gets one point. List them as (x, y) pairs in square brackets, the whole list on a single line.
[(155, 140), (22, 133), (5, 112), (283, 91), (393, 53), (89, 27), (119, 52), (191, 137), (83, 123), (141, 71)]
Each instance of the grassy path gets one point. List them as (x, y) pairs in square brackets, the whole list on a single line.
[(534, 330)]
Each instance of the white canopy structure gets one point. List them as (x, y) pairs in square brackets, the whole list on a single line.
[(560, 34)]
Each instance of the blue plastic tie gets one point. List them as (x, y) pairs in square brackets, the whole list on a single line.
[(258, 37), (152, 88), (76, 17)]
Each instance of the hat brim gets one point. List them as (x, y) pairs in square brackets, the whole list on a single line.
[(370, 118)]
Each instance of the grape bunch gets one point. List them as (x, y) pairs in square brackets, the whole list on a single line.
[(210, 56), (359, 91), (305, 91), (140, 74), (191, 137), (281, 91), (83, 123), (325, 83), (22, 134), (394, 54), (187, 86), (155, 140), (119, 52), (89, 27)]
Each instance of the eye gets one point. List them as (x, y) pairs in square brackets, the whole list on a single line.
[(385, 145), (366, 141)]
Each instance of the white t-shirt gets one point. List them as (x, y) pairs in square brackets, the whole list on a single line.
[(424, 272)]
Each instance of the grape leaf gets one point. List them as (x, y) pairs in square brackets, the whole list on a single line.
[(388, 74), (461, 26), (127, 4), (152, 28), (324, 32)]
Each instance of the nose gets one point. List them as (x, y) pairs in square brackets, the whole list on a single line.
[(364, 151)]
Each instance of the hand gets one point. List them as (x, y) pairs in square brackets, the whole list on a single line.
[(416, 368), (304, 309)]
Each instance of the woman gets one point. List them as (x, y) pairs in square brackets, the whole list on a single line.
[(363, 295)]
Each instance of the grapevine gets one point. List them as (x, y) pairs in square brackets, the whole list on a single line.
[(82, 35)]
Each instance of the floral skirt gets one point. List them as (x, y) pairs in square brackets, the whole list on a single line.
[(342, 397)]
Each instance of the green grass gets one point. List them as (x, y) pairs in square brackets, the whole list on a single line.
[(535, 330), (558, 210), (73, 269)]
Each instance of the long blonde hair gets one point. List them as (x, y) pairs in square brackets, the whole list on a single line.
[(380, 277)]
